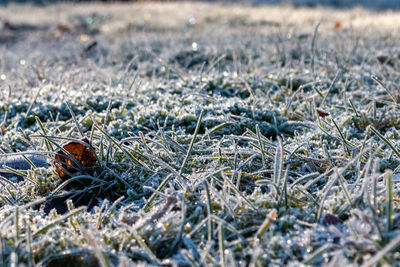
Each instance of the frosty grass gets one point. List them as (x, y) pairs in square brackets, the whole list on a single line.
[(226, 135)]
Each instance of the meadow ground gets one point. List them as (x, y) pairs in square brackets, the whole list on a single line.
[(225, 135)]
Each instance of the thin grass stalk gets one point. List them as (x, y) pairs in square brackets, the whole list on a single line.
[(148, 149), (31, 260), (384, 87), (33, 101), (178, 237), (2, 251), (284, 195), (119, 177), (75, 120), (325, 195), (345, 142), (343, 184), (100, 217), (313, 47), (8, 182), (8, 169), (278, 164), (307, 177), (216, 193), (196, 131), (384, 139), (159, 188), (210, 232), (261, 145), (330, 87), (16, 221), (354, 108), (221, 244), (389, 201), (76, 178), (48, 144)]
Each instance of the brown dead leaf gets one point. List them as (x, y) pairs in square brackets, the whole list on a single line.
[(322, 113), (3, 129), (83, 154), (338, 25), (62, 29)]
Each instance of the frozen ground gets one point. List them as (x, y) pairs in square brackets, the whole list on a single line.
[(225, 135)]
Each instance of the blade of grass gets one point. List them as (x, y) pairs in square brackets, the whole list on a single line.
[(354, 108), (48, 144), (33, 101), (384, 139), (278, 164), (343, 184), (196, 131), (330, 88), (8, 169), (75, 120), (261, 146), (159, 188), (389, 196), (31, 260), (284, 189), (313, 49), (325, 195), (210, 232), (384, 87), (16, 222), (221, 244)]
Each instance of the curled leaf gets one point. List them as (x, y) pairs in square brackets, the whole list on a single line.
[(83, 159)]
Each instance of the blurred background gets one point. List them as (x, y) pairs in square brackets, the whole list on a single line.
[(369, 4)]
